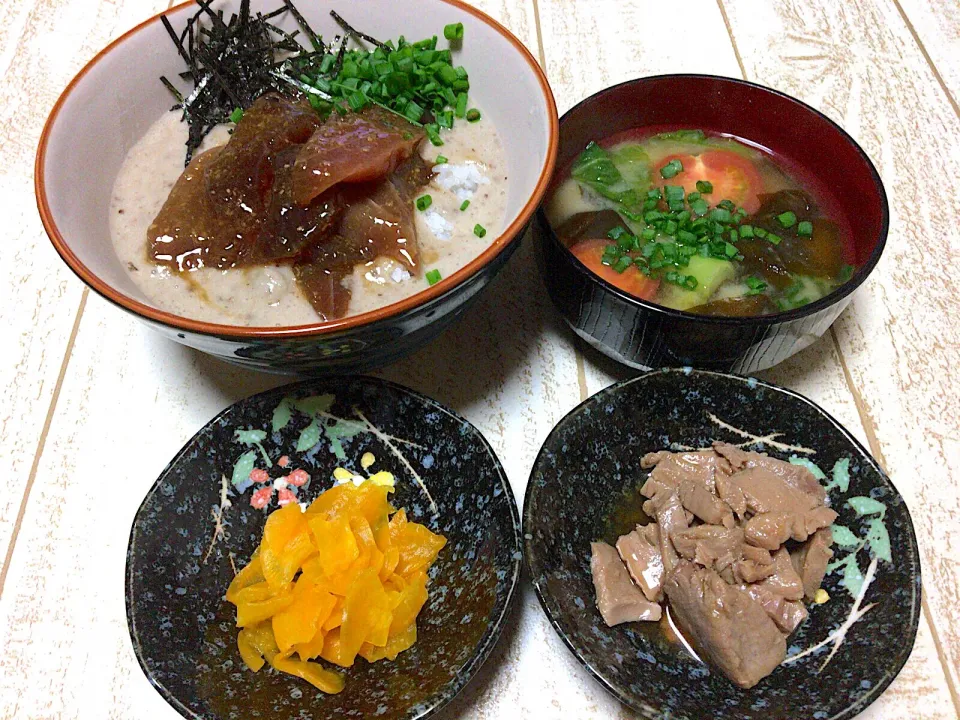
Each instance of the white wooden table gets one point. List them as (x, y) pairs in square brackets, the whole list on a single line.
[(94, 404)]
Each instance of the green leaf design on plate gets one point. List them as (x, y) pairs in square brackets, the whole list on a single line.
[(841, 475), (843, 537), (281, 415), (309, 436), (315, 404), (256, 438), (852, 577), (342, 430), (879, 539), (809, 465), (863, 505), (250, 437), (243, 467)]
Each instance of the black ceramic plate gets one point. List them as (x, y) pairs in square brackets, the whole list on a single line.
[(584, 487), (196, 525)]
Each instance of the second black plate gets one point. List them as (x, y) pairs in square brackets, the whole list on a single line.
[(580, 490)]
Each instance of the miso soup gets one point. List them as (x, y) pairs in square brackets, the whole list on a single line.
[(701, 222)]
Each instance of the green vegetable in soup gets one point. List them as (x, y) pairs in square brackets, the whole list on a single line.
[(803, 291), (634, 165), (596, 169), (692, 136), (710, 274)]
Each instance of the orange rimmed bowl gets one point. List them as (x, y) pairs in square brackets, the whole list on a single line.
[(117, 96)]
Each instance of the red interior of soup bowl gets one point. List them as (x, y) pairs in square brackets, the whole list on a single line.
[(805, 138)]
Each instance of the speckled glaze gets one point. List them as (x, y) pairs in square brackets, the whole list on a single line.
[(583, 487), (183, 630), (644, 335)]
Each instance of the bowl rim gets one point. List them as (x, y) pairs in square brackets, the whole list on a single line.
[(491, 636), (419, 299), (826, 301), (532, 562)]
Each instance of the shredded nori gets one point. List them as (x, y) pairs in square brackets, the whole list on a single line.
[(233, 62)]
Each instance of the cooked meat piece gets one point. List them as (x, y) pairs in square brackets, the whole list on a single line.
[(216, 213), (736, 457), (731, 494), (787, 614), (710, 545), (356, 147), (671, 469), (811, 560), (666, 509), (640, 550), (767, 492), (756, 565), (796, 476), (725, 624), (784, 581), (771, 530), (696, 498), (618, 599)]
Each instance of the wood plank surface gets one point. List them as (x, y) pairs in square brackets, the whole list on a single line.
[(43, 43), (900, 338), (935, 25), (129, 399)]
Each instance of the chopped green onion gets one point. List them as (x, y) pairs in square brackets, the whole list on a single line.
[(461, 106), (433, 276), (673, 192), (727, 205), (433, 133), (746, 231), (787, 219), (693, 197), (473, 115), (846, 272), (773, 239), (441, 160), (453, 31), (447, 74), (423, 202), (412, 111), (704, 186), (479, 230), (699, 207), (236, 115), (720, 215), (357, 101), (759, 232), (805, 229), (616, 232), (756, 285), (623, 263), (671, 169), (464, 205)]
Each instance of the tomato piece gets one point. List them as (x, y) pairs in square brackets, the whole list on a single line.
[(733, 177), (631, 280)]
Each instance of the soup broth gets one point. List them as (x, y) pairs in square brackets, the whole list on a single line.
[(706, 223)]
